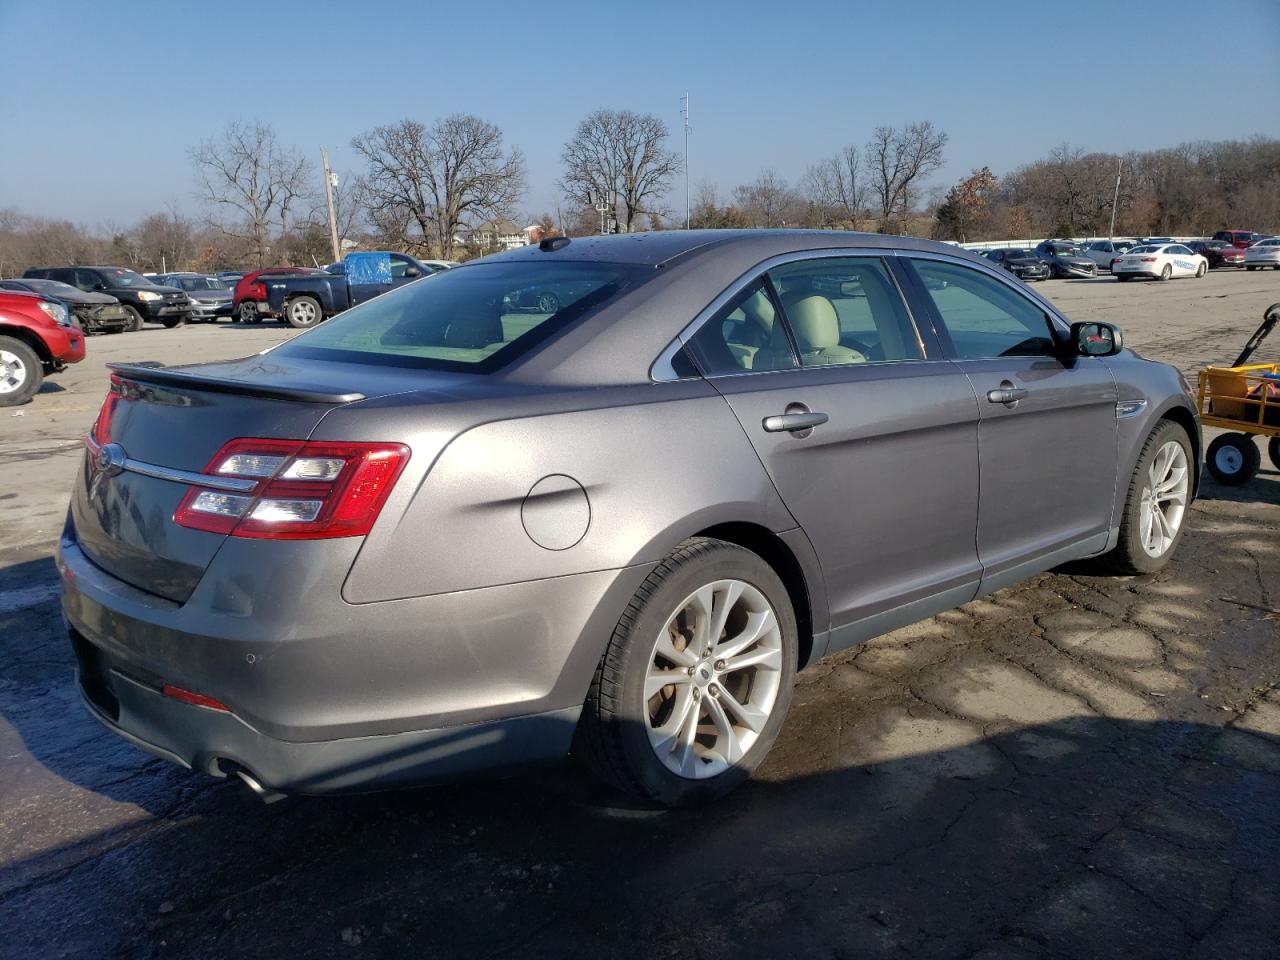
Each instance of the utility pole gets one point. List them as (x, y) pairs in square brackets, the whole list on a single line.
[(684, 110), (1115, 202), (330, 181)]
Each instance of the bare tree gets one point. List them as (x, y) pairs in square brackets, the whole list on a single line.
[(252, 184), (899, 159), (769, 201), (623, 156), (439, 179), (837, 188)]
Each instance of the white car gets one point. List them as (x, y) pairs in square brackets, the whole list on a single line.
[(1102, 252), (1264, 253), (1160, 261)]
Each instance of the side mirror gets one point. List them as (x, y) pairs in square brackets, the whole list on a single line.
[(412, 272), (99, 287), (1096, 339)]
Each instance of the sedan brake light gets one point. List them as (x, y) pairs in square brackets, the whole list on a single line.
[(293, 490), (1148, 259)]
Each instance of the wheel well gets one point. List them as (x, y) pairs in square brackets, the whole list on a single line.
[(30, 339), (1184, 418), (767, 545)]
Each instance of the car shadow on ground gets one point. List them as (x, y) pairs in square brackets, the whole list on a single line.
[(1081, 836)]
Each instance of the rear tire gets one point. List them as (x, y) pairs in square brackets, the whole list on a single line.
[(702, 732), (21, 372), (247, 312), (135, 319), (1166, 273), (303, 312), (1123, 277), (1273, 452), (1154, 517), (1233, 459)]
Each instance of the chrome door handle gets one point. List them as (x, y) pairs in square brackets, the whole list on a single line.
[(1007, 393), (794, 422)]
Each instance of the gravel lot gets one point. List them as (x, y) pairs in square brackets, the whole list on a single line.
[(1075, 767)]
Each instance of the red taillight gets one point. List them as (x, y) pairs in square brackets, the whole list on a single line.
[(195, 699), (101, 432), (294, 490), (1148, 259), (255, 291)]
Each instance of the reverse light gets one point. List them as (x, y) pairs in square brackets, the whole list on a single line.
[(304, 491)]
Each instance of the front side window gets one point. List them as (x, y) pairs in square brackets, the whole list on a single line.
[(474, 319), (86, 279), (844, 310), (985, 318)]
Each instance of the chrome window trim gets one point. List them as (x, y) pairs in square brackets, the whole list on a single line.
[(662, 371)]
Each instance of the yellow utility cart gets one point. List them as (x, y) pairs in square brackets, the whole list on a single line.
[(1244, 398)]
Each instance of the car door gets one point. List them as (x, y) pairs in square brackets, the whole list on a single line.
[(1047, 422), (867, 433), (1184, 261)]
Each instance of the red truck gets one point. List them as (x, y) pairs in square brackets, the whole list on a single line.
[(37, 336)]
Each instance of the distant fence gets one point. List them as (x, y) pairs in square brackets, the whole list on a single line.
[(1002, 244)]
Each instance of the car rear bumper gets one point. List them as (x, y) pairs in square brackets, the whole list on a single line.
[(220, 744), (327, 696)]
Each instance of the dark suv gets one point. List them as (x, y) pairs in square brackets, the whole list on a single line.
[(141, 299)]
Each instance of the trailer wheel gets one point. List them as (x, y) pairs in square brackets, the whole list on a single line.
[(1233, 459)]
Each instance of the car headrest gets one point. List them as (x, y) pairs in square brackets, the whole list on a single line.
[(758, 308), (814, 320)]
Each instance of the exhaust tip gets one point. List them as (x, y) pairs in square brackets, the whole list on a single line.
[(266, 794)]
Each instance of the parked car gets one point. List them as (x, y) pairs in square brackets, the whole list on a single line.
[(1023, 263), (1102, 252), (1264, 253), (249, 298), (1239, 238), (1066, 259), (230, 277), (1219, 253), (37, 337), (210, 297), (141, 298), (92, 312), (1160, 261), (1152, 241), (304, 301), (469, 539)]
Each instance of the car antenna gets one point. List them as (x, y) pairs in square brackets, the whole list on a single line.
[(551, 244)]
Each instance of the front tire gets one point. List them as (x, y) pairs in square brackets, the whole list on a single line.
[(21, 372), (1233, 459), (135, 319), (1155, 508), (695, 682), (303, 312)]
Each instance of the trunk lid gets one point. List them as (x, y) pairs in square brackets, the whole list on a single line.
[(172, 421)]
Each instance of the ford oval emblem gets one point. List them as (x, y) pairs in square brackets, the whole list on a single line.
[(110, 460)]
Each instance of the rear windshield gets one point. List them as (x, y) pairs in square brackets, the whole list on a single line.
[(474, 318), (199, 283)]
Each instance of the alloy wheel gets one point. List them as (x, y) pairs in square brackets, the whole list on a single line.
[(1164, 498), (303, 313), (13, 372), (713, 679)]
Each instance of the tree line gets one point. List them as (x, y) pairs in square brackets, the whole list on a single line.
[(430, 189)]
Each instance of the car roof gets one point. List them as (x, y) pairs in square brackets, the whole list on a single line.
[(661, 247)]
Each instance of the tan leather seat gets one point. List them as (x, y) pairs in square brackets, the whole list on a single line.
[(759, 313), (817, 330)]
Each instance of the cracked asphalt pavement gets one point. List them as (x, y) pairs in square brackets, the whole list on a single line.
[(1076, 767)]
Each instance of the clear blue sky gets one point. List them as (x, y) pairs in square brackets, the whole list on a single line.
[(100, 101)]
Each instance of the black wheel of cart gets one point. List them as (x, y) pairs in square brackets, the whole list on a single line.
[(1233, 459)]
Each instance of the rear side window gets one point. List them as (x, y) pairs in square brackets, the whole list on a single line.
[(474, 318), (985, 318), (746, 335), (845, 310)]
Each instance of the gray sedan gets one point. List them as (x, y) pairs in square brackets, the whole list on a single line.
[(449, 533)]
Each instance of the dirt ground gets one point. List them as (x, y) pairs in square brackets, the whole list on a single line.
[(1076, 767)]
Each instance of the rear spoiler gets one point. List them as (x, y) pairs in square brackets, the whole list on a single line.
[(151, 372)]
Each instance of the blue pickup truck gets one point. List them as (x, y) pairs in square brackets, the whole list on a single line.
[(306, 300)]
